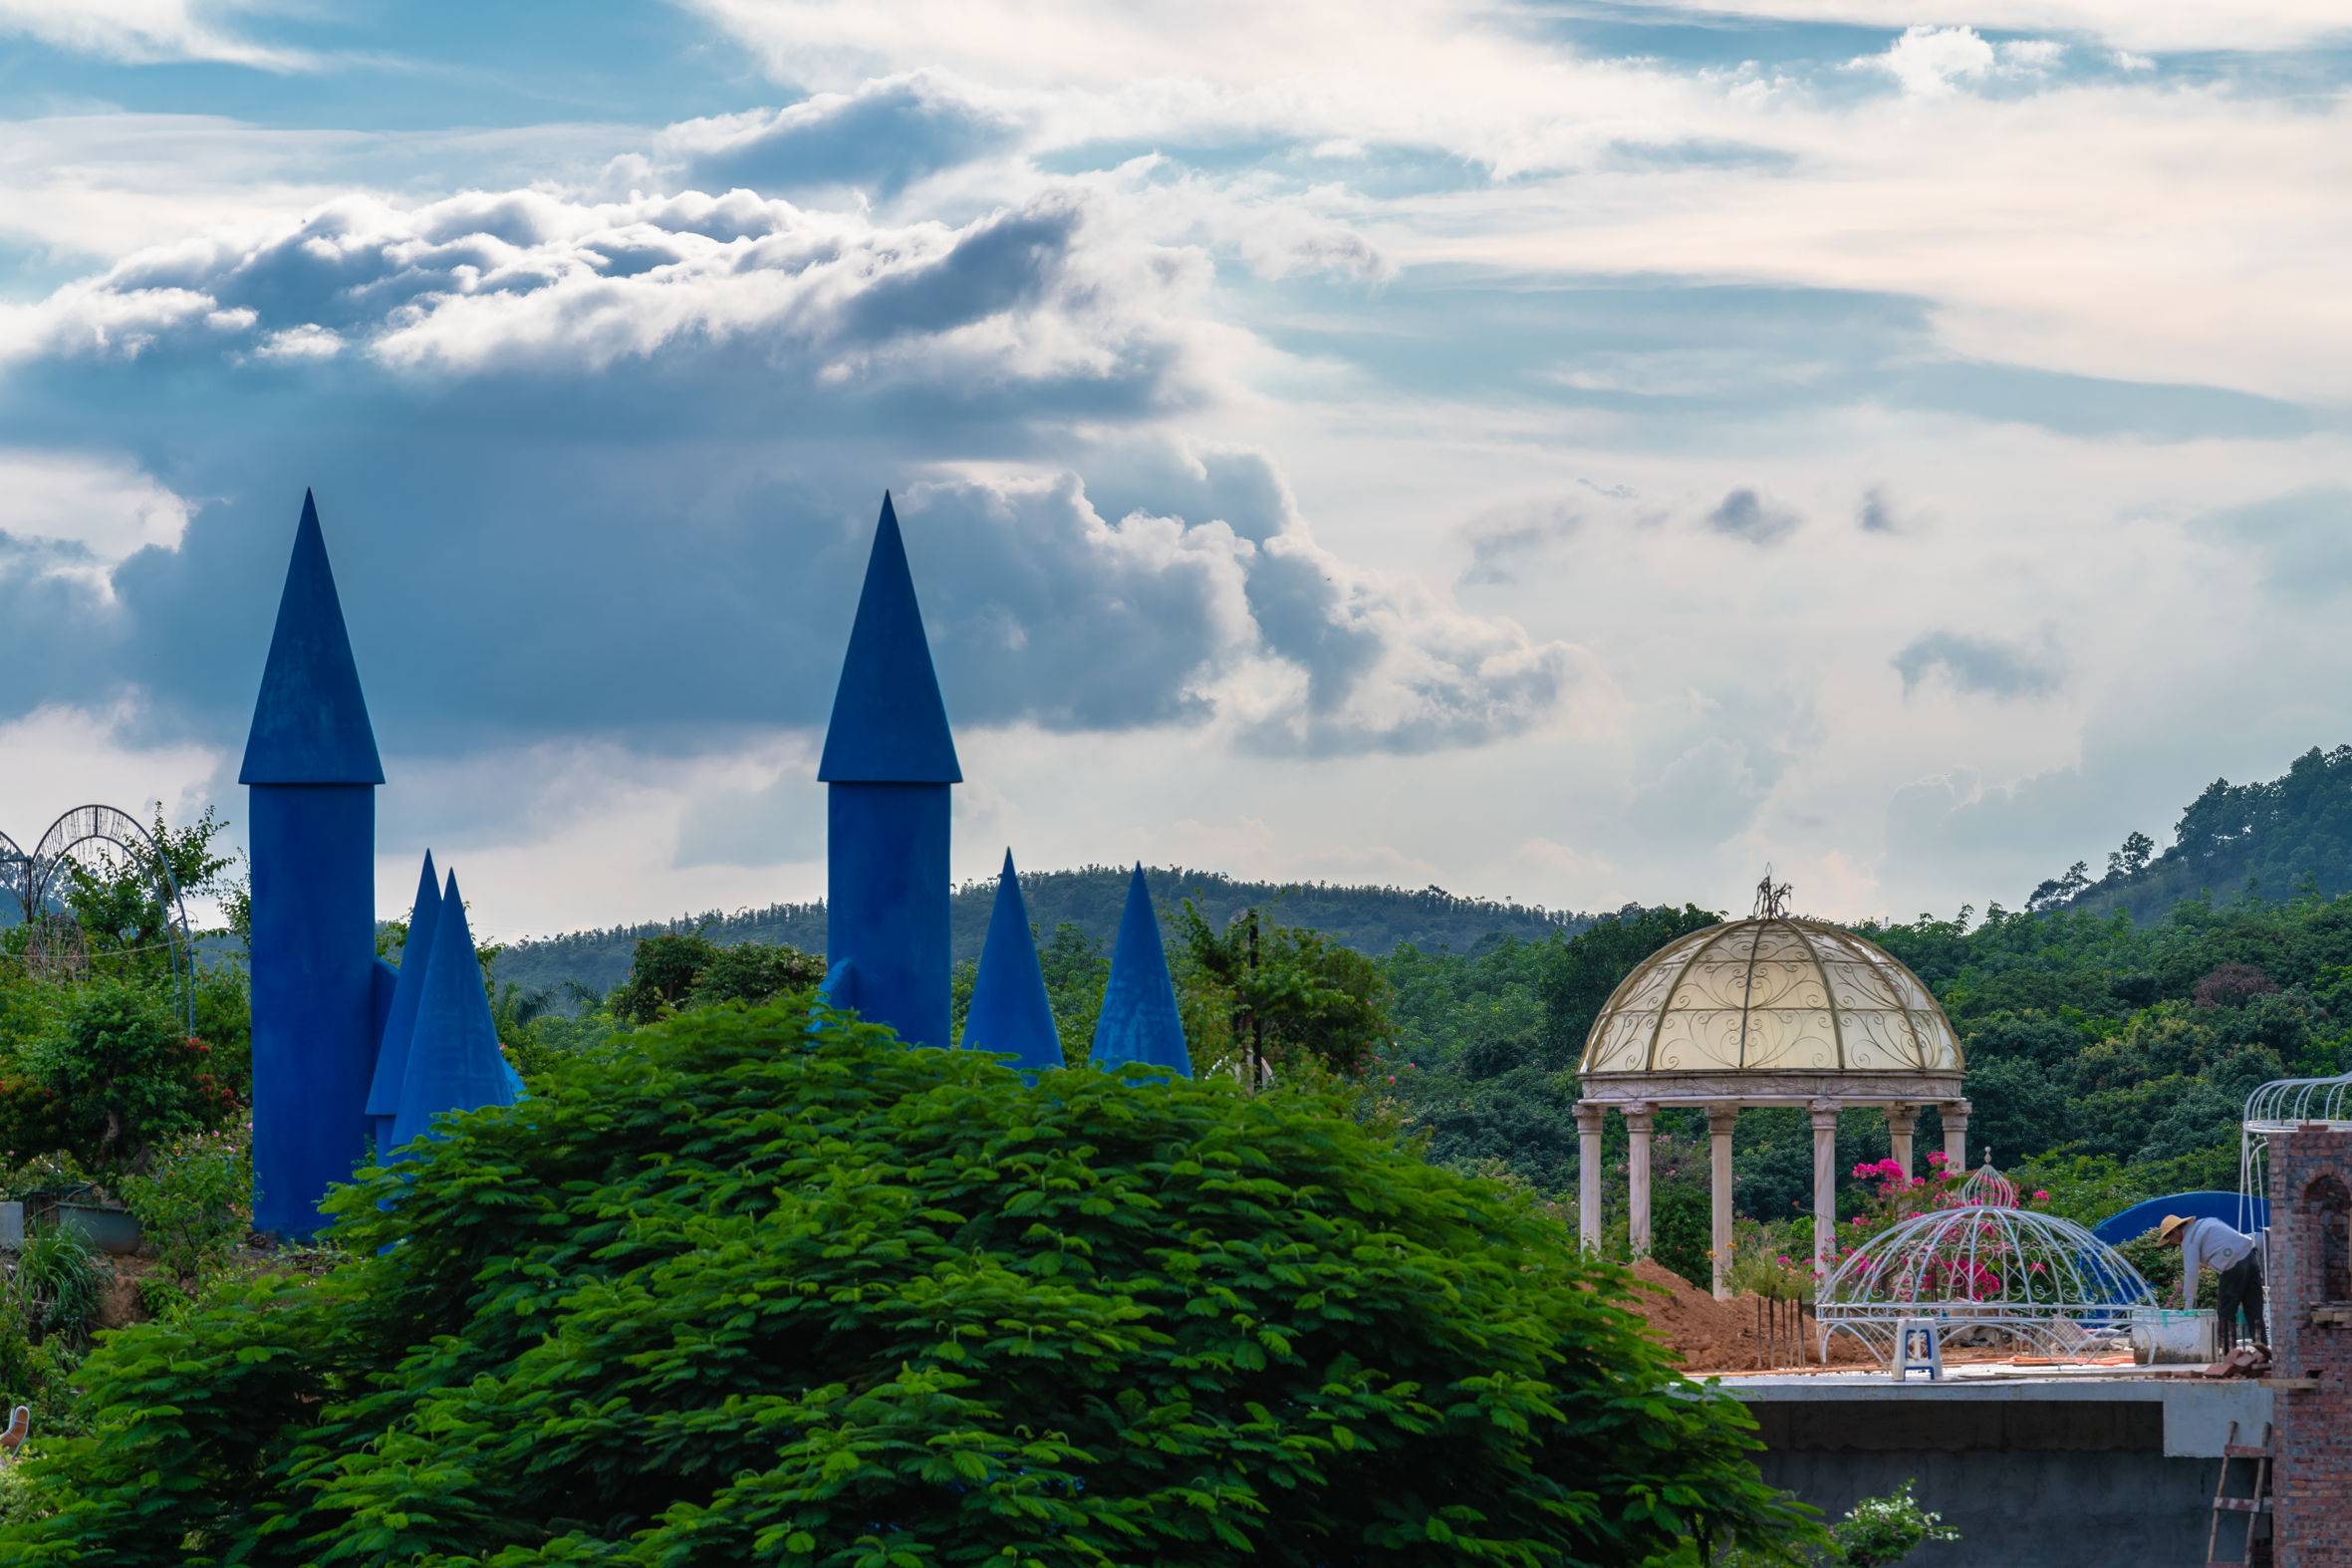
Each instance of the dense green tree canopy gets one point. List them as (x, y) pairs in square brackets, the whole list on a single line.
[(2277, 838), (678, 971), (1281, 996), (1367, 920), (766, 1287)]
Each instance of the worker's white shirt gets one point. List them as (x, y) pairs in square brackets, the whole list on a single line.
[(2207, 1243)]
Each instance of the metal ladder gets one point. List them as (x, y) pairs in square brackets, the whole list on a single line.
[(2251, 1508)]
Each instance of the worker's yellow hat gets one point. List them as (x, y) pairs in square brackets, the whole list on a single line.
[(2172, 1225)]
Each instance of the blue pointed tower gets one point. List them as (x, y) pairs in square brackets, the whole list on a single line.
[(318, 1002), (1009, 1009), (453, 1058), (888, 761), (1138, 1021), (400, 1022)]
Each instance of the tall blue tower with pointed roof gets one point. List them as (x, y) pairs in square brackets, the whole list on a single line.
[(889, 762), (319, 991)]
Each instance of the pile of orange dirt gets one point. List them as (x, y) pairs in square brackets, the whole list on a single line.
[(119, 1302), (1706, 1335)]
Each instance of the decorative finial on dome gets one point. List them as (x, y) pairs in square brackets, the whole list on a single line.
[(1772, 898)]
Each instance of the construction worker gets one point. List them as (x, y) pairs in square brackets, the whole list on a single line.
[(2233, 1255)]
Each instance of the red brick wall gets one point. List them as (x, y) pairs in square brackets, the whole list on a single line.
[(2312, 1437)]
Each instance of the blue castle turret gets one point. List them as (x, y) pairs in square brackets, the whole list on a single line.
[(319, 991), (453, 1059), (1009, 1009), (400, 1022), (890, 762), (1138, 1021)]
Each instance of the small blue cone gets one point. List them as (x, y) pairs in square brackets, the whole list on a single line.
[(1138, 1021), (453, 1058), (1010, 1010), (400, 1022)]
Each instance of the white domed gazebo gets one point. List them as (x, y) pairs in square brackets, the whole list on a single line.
[(1773, 1010)]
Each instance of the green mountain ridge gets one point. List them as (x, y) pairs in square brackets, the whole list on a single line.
[(1372, 919), (2282, 839)]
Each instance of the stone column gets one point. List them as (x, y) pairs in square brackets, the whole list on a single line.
[(1825, 1183), (1637, 1122), (1718, 1135), (1956, 1137), (1588, 1174), (1901, 1122)]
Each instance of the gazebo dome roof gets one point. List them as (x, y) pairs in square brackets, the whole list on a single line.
[(1772, 996)]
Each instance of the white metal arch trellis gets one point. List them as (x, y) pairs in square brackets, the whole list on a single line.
[(33, 873), (16, 873), (2275, 1107)]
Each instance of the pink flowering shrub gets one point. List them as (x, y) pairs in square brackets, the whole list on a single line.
[(1892, 1195)]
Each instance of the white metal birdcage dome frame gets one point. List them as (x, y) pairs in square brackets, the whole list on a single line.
[(2034, 1281), (1986, 1187)]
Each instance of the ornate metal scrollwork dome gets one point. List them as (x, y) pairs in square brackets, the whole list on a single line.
[(1772, 994)]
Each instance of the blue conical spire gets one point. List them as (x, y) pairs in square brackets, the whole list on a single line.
[(1010, 1010), (888, 724), (1138, 1021), (399, 1020), (310, 723), (454, 1060)]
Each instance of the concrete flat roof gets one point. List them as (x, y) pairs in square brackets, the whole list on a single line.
[(2197, 1411)]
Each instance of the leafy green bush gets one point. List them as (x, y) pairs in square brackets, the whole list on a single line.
[(123, 1074), (1681, 1230), (195, 1201), (767, 1290), (56, 1283), (16, 1496), (46, 1302), (1879, 1532), (32, 1118), (45, 1175), (32, 1371)]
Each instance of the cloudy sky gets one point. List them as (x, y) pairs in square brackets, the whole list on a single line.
[(1564, 450)]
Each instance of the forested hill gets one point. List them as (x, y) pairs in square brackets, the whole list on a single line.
[(2276, 840), (1369, 919)]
